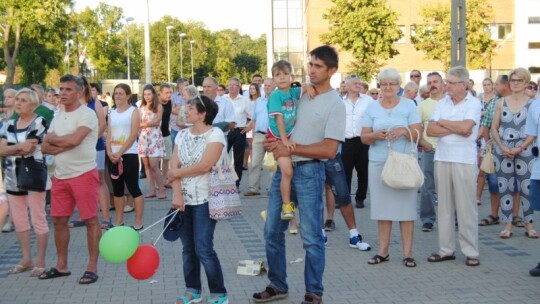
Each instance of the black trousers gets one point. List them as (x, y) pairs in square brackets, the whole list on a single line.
[(355, 155), (237, 141)]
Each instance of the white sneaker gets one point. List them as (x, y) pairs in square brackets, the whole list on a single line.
[(8, 227), (356, 242), (128, 209)]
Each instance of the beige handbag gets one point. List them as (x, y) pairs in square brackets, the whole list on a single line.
[(488, 161), (401, 170)]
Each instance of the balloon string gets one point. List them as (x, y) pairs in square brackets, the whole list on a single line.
[(166, 226), (158, 221)]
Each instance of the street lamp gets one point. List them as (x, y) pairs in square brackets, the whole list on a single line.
[(128, 20), (192, 75), (148, 63), (169, 27), (182, 35)]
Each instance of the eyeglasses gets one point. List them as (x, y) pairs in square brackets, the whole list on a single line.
[(374, 93), (532, 88), (415, 76), (389, 84), (516, 80)]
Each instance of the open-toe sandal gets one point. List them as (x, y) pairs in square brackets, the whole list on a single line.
[(53, 273), (505, 234), (518, 221), (435, 257), (37, 271), (19, 268), (472, 261), (88, 278), (269, 294), (377, 259), (531, 233), (489, 220), (409, 262)]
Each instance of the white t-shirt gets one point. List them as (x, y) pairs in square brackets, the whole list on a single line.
[(242, 108), (82, 158), (121, 130), (190, 151), (456, 148)]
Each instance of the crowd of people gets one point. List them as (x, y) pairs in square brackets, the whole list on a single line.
[(96, 152)]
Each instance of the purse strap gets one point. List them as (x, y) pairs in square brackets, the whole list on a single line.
[(489, 146), (413, 145)]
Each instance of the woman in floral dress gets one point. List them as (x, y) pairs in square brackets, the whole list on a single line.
[(151, 141)]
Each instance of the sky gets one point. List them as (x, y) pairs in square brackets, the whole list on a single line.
[(248, 16)]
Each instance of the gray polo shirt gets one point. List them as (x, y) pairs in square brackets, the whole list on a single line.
[(317, 119)]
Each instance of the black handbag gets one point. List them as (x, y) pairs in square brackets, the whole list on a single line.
[(31, 174)]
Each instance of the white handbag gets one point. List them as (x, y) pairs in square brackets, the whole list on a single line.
[(401, 170)]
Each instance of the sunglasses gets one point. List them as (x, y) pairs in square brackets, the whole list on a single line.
[(196, 100), (533, 88), (415, 76)]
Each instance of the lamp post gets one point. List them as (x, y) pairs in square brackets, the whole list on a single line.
[(182, 35), (192, 75), (148, 68), (169, 27), (128, 20)]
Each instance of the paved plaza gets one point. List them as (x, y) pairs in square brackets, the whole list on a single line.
[(502, 276)]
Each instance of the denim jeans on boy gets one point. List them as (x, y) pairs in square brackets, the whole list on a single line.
[(197, 235), (307, 187)]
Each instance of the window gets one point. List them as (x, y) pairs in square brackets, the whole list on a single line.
[(501, 31), (534, 45), (534, 20), (403, 39), (295, 14), (413, 30), (280, 14)]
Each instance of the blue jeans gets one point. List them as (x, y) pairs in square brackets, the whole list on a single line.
[(493, 183), (428, 196), (534, 190), (197, 235), (337, 180), (307, 186)]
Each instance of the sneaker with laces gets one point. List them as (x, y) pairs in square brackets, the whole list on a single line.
[(218, 300), (356, 242), (329, 225), (287, 211), (189, 298)]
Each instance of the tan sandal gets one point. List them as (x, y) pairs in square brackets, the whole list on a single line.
[(37, 271), (531, 233), (505, 234), (19, 268)]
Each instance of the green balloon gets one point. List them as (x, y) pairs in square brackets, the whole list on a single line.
[(118, 244)]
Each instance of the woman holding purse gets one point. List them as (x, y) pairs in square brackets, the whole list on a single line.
[(388, 204), (21, 137), (197, 149)]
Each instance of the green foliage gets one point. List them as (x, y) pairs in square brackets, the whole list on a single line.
[(366, 28), (433, 37), (34, 24)]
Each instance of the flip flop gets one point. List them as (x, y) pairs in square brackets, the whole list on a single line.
[(19, 268), (37, 271), (150, 195), (435, 257), (53, 273), (88, 278)]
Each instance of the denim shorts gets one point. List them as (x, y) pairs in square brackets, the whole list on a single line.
[(493, 183), (336, 179)]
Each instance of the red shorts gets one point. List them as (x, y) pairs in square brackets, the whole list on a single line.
[(81, 191)]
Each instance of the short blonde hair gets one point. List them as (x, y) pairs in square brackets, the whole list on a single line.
[(34, 97), (522, 73)]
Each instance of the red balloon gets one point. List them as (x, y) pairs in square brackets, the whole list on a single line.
[(144, 263)]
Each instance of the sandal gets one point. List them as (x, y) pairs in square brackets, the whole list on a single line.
[(77, 223), (150, 195), (37, 271), (53, 273), (489, 220), (189, 298), (19, 268), (505, 234), (377, 259), (88, 278), (106, 224), (435, 258), (409, 262), (162, 196), (472, 262), (531, 233), (518, 221), (269, 294)]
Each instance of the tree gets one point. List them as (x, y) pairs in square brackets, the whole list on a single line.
[(17, 16), (97, 32), (433, 37), (366, 28)]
